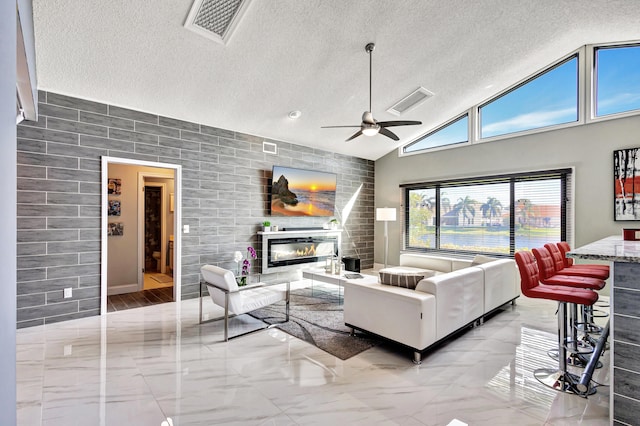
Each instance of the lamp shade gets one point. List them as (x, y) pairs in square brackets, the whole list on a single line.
[(386, 214)]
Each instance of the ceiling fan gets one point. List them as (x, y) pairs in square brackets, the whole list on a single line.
[(369, 126)]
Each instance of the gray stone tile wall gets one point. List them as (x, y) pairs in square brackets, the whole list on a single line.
[(225, 182), (625, 300)]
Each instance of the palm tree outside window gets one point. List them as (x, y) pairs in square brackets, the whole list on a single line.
[(495, 215)]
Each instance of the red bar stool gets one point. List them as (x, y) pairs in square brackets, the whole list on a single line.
[(564, 248), (575, 270), (548, 276), (559, 379), (582, 271)]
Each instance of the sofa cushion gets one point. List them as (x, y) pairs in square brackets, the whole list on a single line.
[(433, 263), (404, 276)]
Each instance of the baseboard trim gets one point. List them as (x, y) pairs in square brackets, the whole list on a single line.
[(121, 289)]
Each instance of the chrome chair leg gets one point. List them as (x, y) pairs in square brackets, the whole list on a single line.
[(559, 378), (226, 317), (287, 302)]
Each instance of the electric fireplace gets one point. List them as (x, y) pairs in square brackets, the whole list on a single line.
[(284, 251)]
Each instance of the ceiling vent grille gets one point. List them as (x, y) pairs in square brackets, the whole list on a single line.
[(410, 101), (216, 19)]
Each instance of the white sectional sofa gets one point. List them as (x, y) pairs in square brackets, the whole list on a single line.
[(455, 293)]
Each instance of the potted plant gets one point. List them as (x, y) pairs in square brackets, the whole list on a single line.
[(334, 223), (266, 226), (241, 277)]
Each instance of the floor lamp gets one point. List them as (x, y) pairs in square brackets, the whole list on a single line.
[(386, 215)]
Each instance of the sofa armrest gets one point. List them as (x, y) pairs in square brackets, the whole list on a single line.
[(399, 314), (501, 283), (459, 298)]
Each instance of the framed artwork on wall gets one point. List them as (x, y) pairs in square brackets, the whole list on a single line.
[(115, 186), (114, 208), (626, 181), (115, 229)]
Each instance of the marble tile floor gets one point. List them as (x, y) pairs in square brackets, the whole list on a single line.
[(157, 366)]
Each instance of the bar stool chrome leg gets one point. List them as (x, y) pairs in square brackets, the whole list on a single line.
[(559, 378)]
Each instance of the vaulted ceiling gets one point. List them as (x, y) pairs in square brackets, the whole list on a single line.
[(309, 56)]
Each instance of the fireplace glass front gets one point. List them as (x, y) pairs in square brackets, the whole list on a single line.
[(295, 251)]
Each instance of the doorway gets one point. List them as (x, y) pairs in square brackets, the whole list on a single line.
[(155, 231), (141, 264)]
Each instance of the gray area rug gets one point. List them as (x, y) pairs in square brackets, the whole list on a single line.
[(317, 319)]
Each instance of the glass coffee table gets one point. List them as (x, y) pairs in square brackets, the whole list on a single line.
[(321, 276)]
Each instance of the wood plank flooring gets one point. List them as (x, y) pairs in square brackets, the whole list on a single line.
[(120, 302)]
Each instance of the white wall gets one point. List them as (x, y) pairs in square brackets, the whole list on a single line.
[(26, 77), (8, 212), (123, 250), (588, 148)]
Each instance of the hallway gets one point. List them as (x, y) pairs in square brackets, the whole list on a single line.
[(156, 291)]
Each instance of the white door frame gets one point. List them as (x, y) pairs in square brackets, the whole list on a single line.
[(141, 224), (177, 247)]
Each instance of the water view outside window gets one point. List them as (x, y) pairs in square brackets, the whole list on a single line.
[(479, 218), (617, 80), (538, 213), (422, 216), (475, 218), (451, 134), (550, 98)]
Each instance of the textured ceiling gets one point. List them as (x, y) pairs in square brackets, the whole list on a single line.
[(309, 55)]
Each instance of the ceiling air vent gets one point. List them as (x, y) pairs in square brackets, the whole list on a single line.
[(410, 101), (216, 19)]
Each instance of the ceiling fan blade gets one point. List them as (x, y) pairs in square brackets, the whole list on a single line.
[(336, 127), (355, 135), (388, 133), (398, 123)]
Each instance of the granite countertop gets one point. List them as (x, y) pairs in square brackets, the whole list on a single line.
[(613, 249)]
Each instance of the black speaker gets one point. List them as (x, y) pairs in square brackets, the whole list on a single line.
[(351, 264)]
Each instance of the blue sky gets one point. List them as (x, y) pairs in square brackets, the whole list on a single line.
[(551, 99), (618, 77), (452, 134)]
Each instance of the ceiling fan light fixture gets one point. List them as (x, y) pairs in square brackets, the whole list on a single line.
[(370, 131)]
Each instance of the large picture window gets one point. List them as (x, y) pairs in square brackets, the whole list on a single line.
[(495, 215)]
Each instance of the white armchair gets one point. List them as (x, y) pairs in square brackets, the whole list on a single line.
[(224, 292)]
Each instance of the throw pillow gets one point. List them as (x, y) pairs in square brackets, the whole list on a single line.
[(480, 259), (409, 281)]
